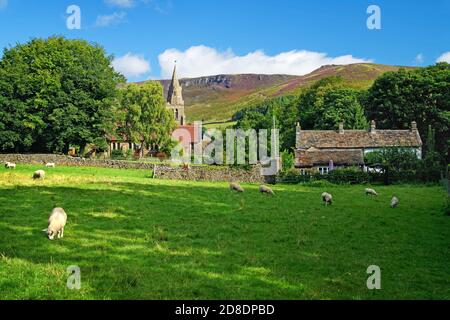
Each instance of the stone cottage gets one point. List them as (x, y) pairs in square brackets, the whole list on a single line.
[(322, 150)]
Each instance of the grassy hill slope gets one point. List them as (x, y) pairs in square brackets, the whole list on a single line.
[(217, 98)]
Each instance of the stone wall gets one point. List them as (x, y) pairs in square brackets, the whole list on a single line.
[(210, 173), (194, 173), (73, 162)]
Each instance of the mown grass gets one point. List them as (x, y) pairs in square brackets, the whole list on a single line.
[(138, 238)]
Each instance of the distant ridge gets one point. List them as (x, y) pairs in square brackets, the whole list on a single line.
[(217, 98)]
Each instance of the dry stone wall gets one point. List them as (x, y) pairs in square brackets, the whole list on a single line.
[(160, 171)]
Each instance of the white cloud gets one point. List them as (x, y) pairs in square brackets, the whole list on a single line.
[(419, 58), (3, 4), (112, 19), (131, 65), (202, 61), (121, 3), (444, 58)]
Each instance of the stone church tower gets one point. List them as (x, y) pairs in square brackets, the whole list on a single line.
[(175, 99)]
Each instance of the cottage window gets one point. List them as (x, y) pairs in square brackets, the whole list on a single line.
[(324, 170), (303, 172)]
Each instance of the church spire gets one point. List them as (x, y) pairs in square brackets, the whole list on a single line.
[(175, 96)]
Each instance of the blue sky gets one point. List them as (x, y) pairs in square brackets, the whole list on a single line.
[(234, 36)]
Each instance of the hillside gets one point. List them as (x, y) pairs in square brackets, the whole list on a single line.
[(217, 98)]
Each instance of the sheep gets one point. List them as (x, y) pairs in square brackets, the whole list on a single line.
[(50, 165), (266, 190), (327, 198), (39, 174), (236, 187), (394, 202), (371, 192), (56, 223), (10, 165)]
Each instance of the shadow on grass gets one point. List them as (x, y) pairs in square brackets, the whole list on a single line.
[(178, 240), (135, 240)]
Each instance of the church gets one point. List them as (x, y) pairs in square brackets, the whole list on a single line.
[(175, 100), (175, 103)]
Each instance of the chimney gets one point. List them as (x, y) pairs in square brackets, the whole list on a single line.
[(341, 128), (297, 135), (373, 127), (413, 126)]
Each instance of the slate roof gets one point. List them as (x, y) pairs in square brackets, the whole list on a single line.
[(316, 157), (357, 139)]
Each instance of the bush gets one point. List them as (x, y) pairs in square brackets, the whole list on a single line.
[(348, 176), (293, 176), (287, 159), (117, 155), (338, 176)]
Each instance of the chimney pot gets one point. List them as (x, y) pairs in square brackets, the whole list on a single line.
[(341, 128), (413, 126)]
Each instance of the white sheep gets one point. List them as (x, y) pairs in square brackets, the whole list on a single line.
[(266, 190), (56, 223), (50, 165), (10, 165), (370, 192), (39, 174), (236, 187), (394, 202), (327, 198)]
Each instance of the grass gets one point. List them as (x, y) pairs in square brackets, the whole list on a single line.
[(138, 238)]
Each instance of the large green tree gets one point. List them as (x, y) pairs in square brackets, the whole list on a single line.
[(328, 102), (423, 95), (146, 119), (340, 105), (282, 109), (55, 93)]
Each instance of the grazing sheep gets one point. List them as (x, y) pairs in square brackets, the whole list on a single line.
[(394, 202), (370, 192), (266, 190), (236, 187), (50, 165), (56, 223), (10, 165), (327, 198), (39, 174)]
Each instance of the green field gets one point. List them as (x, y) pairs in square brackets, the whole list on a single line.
[(138, 238)]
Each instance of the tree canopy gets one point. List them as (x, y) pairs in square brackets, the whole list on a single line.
[(54, 93), (329, 102), (146, 119), (422, 95)]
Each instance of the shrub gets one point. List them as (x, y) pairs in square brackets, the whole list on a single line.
[(117, 155), (287, 159), (293, 176), (346, 176)]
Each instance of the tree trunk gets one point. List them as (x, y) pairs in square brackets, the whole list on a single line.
[(142, 149)]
